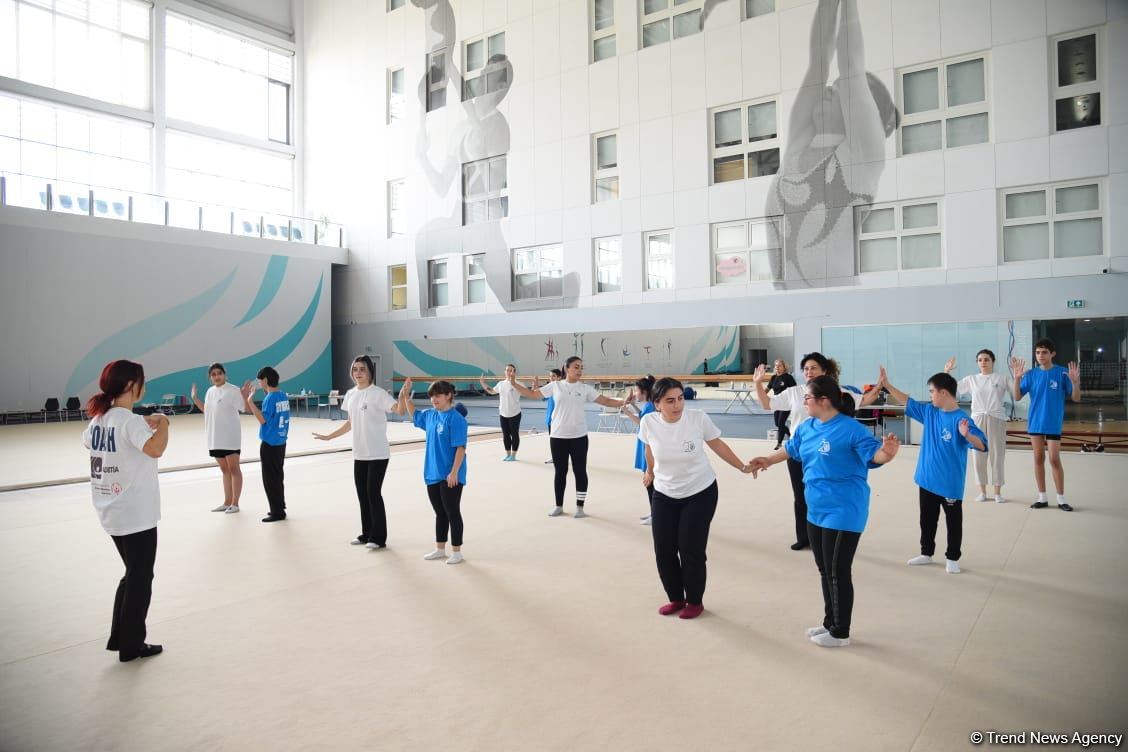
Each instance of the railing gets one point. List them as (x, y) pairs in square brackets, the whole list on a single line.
[(34, 192)]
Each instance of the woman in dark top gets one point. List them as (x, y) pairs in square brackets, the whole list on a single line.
[(780, 381)]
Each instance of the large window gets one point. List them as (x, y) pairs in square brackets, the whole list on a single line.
[(397, 104), (894, 237), (747, 251), (662, 20), (397, 287), (218, 172), (475, 275), (397, 209), (608, 265), (745, 141), (437, 277), (537, 272), (602, 29), (659, 260), (227, 81), (96, 49), (1054, 221), (605, 170), (753, 8), (1077, 80), (944, 105), (484, 65), (436, 79), (484, 196)]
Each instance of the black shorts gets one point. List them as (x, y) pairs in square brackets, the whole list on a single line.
[(221, 453), (1047, 436)]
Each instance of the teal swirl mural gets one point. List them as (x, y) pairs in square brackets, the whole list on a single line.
[(271, 283)]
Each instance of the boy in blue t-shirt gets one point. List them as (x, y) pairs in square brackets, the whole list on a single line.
[(942, 465), (444, 465), (1048, 386), (274, 425), (554, 375)]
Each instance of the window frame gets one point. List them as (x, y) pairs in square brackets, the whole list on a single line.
[(1097, 86), (468, 277), (747, 146), (598, 35), (393, 287), (435, 88), (746, 16), (540, 270), (943, 114), (606, 173), (667, 14), (486, 69), (716, 253), (433, 282), (395, 105), (1050, 217), (899, 233), (500, 195), (597, 267), (649, 256), (397, 217), (391, 6)]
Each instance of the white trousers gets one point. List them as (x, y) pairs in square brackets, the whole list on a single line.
[(995, 456)]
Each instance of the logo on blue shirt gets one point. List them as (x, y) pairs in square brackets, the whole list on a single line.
[(1053, 385), (824, 448), (946, 435), (439, 428)]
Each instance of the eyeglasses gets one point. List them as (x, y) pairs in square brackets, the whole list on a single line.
[(809, 397)]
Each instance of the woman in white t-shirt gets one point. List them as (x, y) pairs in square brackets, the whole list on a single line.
[(792, 399), (224, 432), (367, 406), (685, 492), (988, 391), (509, 409), (123, 483), (567, 434)]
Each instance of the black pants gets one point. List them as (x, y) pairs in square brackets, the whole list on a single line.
[(681, 533), (511, 432), (834, 555), (930, 506), (369, 478), (272, 458), (131, 603), (798, 490), (562, 451), (447, 503), (782, 431)]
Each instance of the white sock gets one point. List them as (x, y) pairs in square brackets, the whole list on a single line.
[(1061, 499), (581, 497), (1042, 496)]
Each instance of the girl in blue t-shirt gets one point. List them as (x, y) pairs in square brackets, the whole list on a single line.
[(641, 394), (837, 453), (444, 463)]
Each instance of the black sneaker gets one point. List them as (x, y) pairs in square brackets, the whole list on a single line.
[(797, 546), (1065, 507), (145, 652), (274, 518), (1040, 505)]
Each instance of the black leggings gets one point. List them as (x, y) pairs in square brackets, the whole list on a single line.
[(930, 506), (681, 532), (447, 503), (134, 592), (782, 431), (511, 432), (369, 477), (562, 450), (834, 555), (798, 490)]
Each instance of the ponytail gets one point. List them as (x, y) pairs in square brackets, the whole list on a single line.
[(116, 377), (827, 386)]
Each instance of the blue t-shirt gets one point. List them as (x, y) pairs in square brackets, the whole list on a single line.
[(1048, 390), (548, 411), (942, 464), (446, 431), (836, 456), (276, 414), (640, 448)]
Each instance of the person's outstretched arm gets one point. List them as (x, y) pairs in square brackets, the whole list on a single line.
[(894, 392), (888, 451), (485, 386), (1075, 378), (407, 404), (196, 399), (1018, 370), (761, 390), (724, 451)]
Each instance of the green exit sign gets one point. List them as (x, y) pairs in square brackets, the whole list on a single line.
[(1075, 304)]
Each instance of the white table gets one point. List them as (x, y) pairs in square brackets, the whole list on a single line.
[(739, 396)]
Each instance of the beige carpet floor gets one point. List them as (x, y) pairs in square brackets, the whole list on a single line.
[(283, 637)]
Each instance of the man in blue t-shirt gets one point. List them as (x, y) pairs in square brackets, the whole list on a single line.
[(274, 426), (1048, 386), (942, 465)]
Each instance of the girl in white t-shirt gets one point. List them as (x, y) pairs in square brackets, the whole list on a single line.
[(123, 483), (988, 390), (367, 406), (567, 435), (685, 492), (509, 409), (224, 432)]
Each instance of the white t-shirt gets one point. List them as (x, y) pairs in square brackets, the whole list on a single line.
[(681, 467), (568, 421), (791, 399), (367, 409), (221, 417), (509, 401), (123, 479), (988, 393)]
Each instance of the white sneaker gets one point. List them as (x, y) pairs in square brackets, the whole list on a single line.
[(826, 640), (233, 509), (556, 512), (373, 546), (952, 567), (645, 520), (579, 513), (356, 542), (999, 499), (438, 553), (981, 497), (815, 631), (456, 558), (221, 508), (916, 561)]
